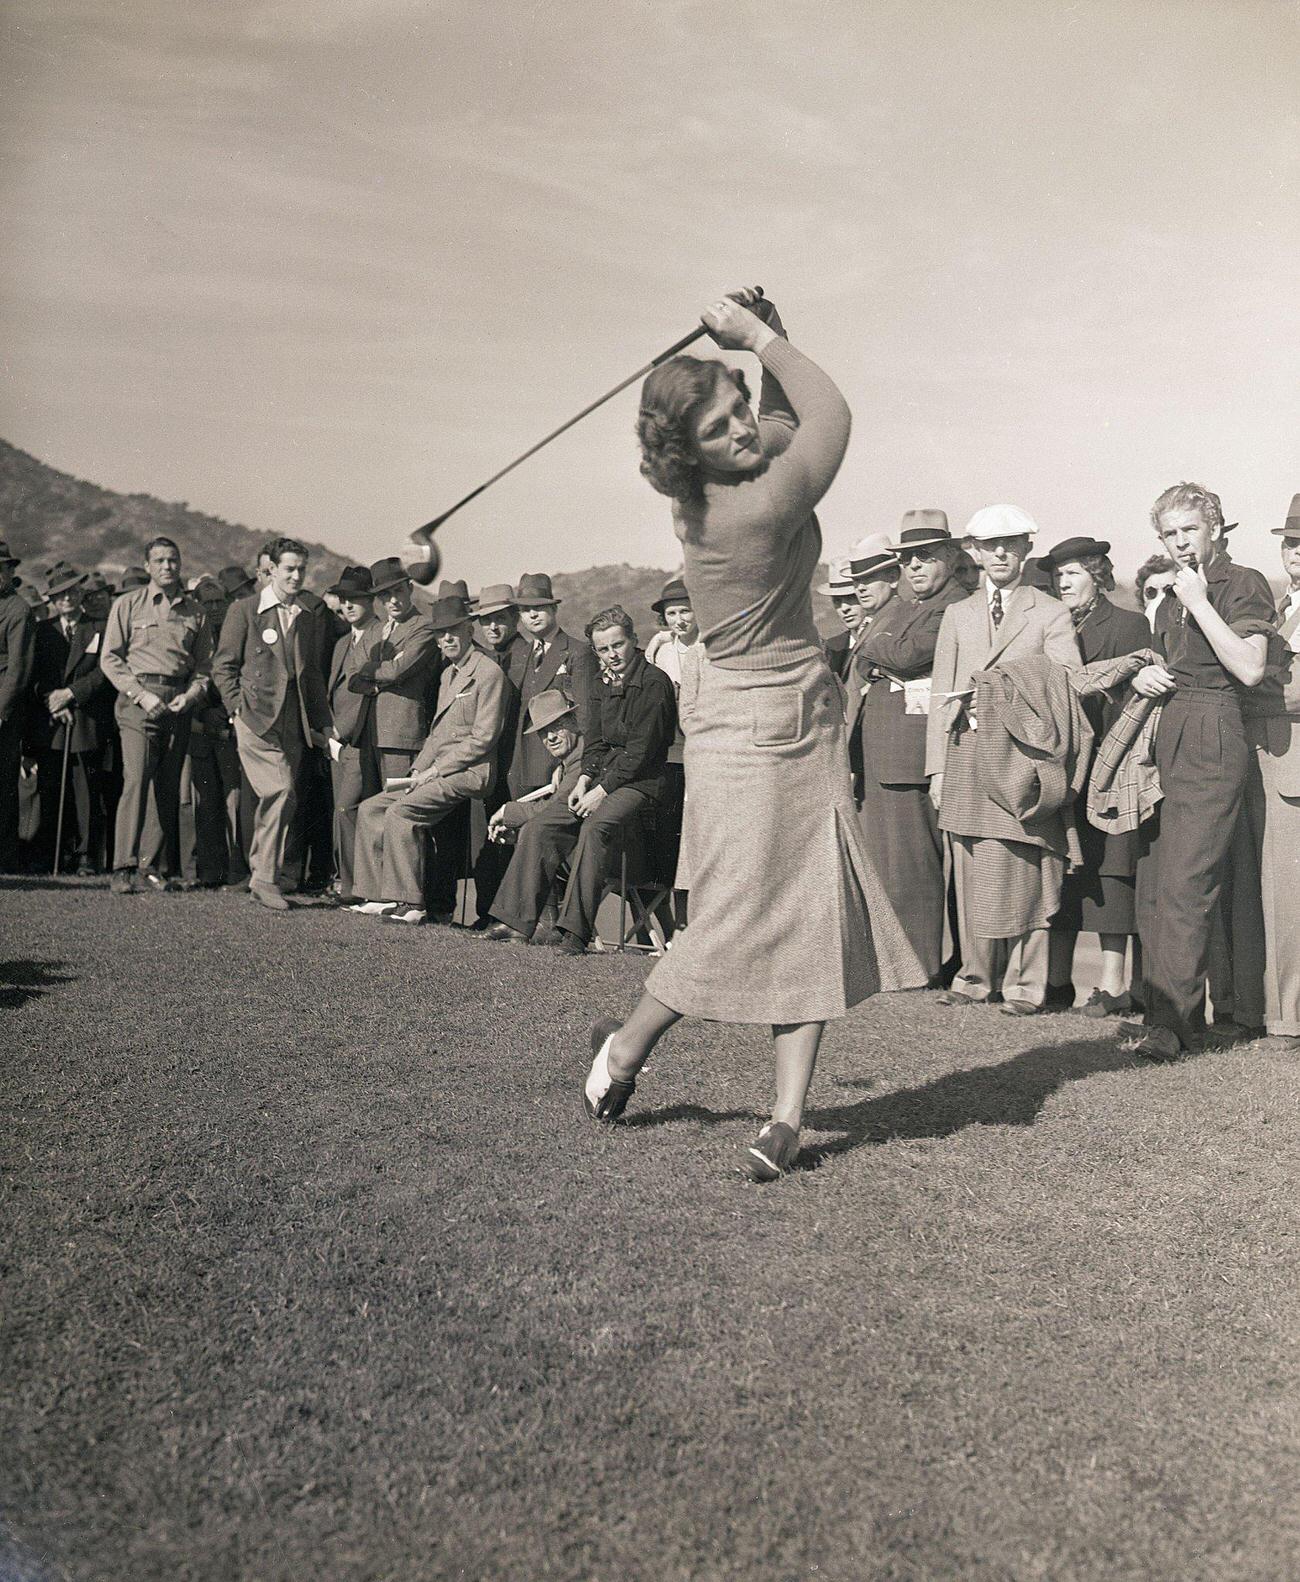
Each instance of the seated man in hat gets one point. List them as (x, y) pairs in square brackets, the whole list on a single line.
[(73, 698), (552, 717), (894, 663), (456, 763), (556, 660), (632, 725), (1007, 876)]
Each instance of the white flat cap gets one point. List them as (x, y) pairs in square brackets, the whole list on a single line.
[(1000, 521)]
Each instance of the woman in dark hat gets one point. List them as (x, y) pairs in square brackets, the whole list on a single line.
[(1098, 898), (788, 924), (670, 650)]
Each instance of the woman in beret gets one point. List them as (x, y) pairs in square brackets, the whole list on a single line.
[(1098, 897), (789, 926)]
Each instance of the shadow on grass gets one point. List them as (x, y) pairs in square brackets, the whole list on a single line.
[(21, 981), (1010, 1094)]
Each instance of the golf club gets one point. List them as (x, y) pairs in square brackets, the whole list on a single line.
[(424, 571)]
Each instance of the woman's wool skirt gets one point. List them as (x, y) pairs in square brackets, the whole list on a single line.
[(789, 922)]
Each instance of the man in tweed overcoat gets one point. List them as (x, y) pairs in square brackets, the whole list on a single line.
[(1007, 885)]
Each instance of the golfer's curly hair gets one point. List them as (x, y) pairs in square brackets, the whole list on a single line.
[(670, 398)]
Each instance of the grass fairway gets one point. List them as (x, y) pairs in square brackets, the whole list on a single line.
[(313, 1268)]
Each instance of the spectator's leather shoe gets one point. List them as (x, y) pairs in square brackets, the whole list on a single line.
[(1060, 997), (1159, 1044), (569, 944), (268, 896), (1099, 1004), (407, 916), (155, 884), (1019, 1008), (504, 932), (955, 1000), (123, 882)]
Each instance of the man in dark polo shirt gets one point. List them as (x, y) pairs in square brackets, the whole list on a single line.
[(157, 652), (632, 723), (1213, 630)]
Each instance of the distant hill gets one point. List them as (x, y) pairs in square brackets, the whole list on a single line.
[(48, 515)]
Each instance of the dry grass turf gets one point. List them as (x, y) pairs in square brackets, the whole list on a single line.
[(313, 1268)]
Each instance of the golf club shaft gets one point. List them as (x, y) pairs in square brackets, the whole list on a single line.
[(426, 532)]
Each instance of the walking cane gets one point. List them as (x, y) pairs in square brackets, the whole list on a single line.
[(426, 570), (63, 790)]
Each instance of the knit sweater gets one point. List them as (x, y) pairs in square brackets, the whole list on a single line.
[(751, 543)]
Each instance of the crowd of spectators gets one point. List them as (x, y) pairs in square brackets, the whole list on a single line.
[(1031, 760)]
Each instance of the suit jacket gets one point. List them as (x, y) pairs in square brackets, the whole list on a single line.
[(467, 723), (253, 675), (899, 647), (17, 655), (400, 676), (513, 660), (1032, 623), (569, 664), (59, 663), (839, 653), (353, 712), (327, 628)]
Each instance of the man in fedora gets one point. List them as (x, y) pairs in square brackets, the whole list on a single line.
[(72, 710), (267, 672), (157, 652), (456, 762), (354, 757), (631, 729), (401, 671), (552, 717), (872, 568), (1007, 875), (1218, 631), (96, 596), (556, 660), (894, 664), (842, 593), (17, 657)]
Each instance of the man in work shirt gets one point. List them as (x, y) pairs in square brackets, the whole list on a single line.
[(157, 652)]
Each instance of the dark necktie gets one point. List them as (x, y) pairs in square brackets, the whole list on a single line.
[(539, 653), (995, 608)]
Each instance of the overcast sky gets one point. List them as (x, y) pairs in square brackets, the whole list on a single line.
[(320, 266)]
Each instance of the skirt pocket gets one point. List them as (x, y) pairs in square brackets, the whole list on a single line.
[(778, 716)]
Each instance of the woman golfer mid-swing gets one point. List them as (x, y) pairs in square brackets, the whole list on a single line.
[(789, 925)]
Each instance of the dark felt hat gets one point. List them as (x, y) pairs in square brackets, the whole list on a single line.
[(454, 590), (919, 528), (535, 588), (388, 573), (1074, 549), (355, 583), (61, 578), (97, 582), (235, 581), (7, 556), (494, 599), (674, 592), (1290, 529), (133, 577), (546, 708), (449, 612), (33, 595)]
